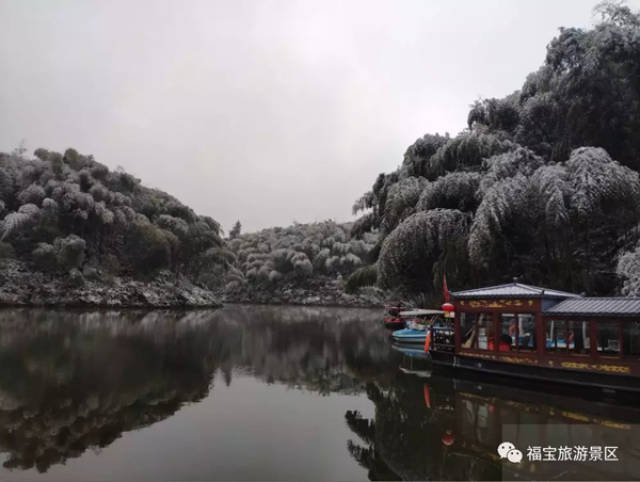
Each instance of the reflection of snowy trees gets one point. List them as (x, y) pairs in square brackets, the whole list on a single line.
[(75, 381), (322, 349), (70, 381), (527, 198)]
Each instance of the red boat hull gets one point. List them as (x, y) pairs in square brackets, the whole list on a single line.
[(394, 323)]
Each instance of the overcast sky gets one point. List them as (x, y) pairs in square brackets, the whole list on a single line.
[(263, 111)]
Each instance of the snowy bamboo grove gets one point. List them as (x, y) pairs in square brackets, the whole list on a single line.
[(543, 184)]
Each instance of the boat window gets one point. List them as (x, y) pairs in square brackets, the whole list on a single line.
[(526, 331), (556, 339), (508, 338), (467, 329), (608, 341), (578, 337), (631, 338), (486, 337), (475, 330), (517, 331)]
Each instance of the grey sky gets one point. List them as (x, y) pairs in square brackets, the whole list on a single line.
[(263, 111)]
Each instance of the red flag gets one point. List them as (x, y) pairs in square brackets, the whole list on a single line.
[(445, 291)]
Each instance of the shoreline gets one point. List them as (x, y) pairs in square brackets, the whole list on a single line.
[(320, 291), (317, 305), (22, 286), (84, 306), (133, 295)]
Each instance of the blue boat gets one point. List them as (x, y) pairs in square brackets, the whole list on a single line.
[(409, 335), (418, 322)]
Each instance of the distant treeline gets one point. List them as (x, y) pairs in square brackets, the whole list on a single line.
[(299, 253), (543, 183)]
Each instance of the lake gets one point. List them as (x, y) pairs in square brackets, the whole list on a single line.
[(268, 393)]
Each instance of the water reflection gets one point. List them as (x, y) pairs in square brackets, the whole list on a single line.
[(448, 428), (76, 380), (73, 382), (69, 381)]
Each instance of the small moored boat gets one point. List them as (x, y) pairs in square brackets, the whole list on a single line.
[(392, 319), (418, 322)]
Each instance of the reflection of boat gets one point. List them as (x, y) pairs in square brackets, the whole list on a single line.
[(410, 350), (449, 428), (418, 373), (418, 323), (414, 361)]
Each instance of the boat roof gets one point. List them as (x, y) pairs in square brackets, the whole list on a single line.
[(613, 306), (513, 290), (421, 312)]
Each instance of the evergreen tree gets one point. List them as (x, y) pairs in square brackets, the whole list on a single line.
[(235, 230)]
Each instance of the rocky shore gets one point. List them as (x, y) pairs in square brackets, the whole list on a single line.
[(316, 292), (21, 286)]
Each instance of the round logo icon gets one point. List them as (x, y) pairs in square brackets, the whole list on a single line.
[(504, 448), (514, 456)]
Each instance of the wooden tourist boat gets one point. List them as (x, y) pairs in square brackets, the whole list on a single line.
[(548, 335)]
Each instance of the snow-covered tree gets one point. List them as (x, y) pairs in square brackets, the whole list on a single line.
[(628, 269), (416, 159), (468, 149), (57, 197), (456, 190), (235, 230), (419, 251), (565, 222), (401, 201), (24, 217), (298, 254), (506, 165)]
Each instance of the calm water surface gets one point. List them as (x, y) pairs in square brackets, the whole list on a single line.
[(270, 393)]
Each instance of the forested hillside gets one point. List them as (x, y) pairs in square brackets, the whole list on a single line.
[(69, 219), (302, 263), (543, 183)]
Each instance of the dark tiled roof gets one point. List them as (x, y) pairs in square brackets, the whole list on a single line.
[(621, 306), (513, 290)]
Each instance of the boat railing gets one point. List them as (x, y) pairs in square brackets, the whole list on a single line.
[(444, 338)]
